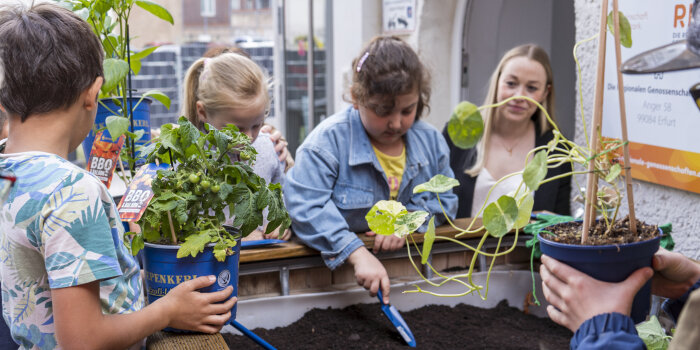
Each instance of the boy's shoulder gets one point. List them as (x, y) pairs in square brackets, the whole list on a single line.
[(45, 172)]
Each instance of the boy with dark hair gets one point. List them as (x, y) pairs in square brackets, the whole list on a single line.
[(68, 279)]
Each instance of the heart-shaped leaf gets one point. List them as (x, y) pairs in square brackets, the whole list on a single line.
[(466, 126), (525, 211), (625, 29), (499, 216), (115, 70), (535, 170), (437, 184), (117, 126)]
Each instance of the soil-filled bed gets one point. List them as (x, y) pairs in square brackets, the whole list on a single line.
[(364, 326)]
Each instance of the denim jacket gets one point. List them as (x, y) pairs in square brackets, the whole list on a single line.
[(337, 178)]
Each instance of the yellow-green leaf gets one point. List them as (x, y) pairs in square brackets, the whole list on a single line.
[(525, 211), (625, 29), (466, 126), (535, 170), (158, 96), (117, 126), (499, 217), (614, 172), (155, 9), (438, 184), (428, 240)]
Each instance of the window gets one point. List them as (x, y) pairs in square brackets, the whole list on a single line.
[(208, 8)]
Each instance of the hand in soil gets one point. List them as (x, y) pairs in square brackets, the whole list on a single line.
[(385, 243), (369, 272), (186, 308), (675, 274), (576, 297)]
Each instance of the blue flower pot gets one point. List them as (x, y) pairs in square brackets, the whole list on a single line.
[(609, 263), (107, 107), (164, 271)]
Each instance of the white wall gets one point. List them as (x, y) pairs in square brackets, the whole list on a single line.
[(654, 204)]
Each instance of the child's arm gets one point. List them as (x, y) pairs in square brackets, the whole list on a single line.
[(80, 323)]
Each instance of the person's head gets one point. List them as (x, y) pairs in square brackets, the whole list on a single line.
[(218, 50), (524, 70), (227, 89), (52, 59), (390, 88)]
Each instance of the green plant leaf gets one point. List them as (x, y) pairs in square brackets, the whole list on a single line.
[(117, 126), (525, 211), (143, 53), (466, 126), (194, 244), (437, 184), (382, 215), (653, 335), (499, 216), (428, 240), (408, 222), (136, 244), (220, 251), (625, 29), (535, 170), (115, 70), (155, 9), (614, 172), (158, 96)]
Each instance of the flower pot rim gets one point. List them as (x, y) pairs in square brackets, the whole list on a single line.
[(541, 237)]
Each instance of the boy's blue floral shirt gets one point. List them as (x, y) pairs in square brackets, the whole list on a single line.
[(59, 228)]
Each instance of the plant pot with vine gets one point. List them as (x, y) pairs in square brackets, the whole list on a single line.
[(202, 205)]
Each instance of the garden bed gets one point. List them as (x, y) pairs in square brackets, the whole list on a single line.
[(353, 320)]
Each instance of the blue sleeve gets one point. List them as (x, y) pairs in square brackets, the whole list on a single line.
[(607, 332), (315, 218), (673, 307), (429, 201)]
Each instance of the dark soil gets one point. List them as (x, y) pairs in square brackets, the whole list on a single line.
[(364, 326), (570, 233)]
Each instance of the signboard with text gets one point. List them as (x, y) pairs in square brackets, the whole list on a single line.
[(398, 16), (663, 118)]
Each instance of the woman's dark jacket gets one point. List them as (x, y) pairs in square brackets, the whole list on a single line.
[(552, 196)]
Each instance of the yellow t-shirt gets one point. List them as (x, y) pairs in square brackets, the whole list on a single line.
[(393, 168)]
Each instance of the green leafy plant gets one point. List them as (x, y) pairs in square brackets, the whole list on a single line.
[(210, 180), (109, 20), (511, 212), (653, 335)]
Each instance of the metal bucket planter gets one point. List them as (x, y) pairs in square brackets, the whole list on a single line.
[(609, 263), (107, 107), (164, 271)]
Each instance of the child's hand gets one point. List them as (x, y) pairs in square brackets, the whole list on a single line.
[(279, 141), (385, 243), (369, 272), (674, 274), (275, 235), (189, 309)]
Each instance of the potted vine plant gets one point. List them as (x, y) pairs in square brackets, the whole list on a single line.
[(110, 21), (510, 213), (202, 205)]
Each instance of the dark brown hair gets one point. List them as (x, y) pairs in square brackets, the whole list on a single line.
[(50, 57), (388, 67)]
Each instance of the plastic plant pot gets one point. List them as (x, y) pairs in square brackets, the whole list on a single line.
[(609, 263), (164, 270)]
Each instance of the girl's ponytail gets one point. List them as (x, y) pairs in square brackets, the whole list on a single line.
[(191, 87)]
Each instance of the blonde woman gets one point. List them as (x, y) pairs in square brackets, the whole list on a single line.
[(511, 131)]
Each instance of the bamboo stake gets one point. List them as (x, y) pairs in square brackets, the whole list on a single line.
[(592, 183), (623, 120), (172, 229)]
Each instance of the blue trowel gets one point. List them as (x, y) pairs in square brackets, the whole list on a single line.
[(396, 319)]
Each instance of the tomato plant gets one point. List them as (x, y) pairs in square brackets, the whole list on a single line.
[(208, 185)]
